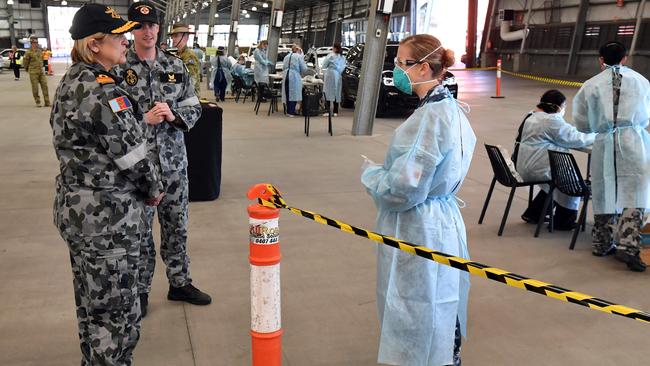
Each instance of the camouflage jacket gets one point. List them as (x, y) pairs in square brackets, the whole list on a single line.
[(33, 61), (102, 150), (166, 80), (194, 66)]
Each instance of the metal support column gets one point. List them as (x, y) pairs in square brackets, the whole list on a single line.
[(308, 39), (211, 21), (414, 17), (234, 24), (530, 12), (472, 25), (46, 25), (578, 34), (330, 26), (293, 24), (371, 68), (197, 21), (275, 32), (637, 28), (12, 28)]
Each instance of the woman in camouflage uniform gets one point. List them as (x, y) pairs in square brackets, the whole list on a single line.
[(103, 187)]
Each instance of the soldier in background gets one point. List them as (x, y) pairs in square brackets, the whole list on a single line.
[(154, 77), (104, 184), (180, 34), (33, 62)]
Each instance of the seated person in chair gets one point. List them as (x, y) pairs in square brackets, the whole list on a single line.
[(545, 129), (246, 74)]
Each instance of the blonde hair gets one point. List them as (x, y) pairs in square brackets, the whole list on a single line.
[(423, 44), (81, 51)]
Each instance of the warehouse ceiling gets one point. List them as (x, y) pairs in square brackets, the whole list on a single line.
[(225, 5)]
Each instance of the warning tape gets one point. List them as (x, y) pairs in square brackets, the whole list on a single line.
[(576, 84), (267, 195), (542, 79)]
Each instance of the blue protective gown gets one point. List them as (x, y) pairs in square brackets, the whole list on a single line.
[(294, 67), (226, 66), (333, 67), (628, 145), (543, 132), (418, 301), (262, 64), (245, 74)]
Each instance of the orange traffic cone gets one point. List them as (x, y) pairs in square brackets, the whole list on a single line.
[(49, 69)]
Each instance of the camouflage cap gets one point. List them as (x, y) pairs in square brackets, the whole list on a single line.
[(96, 18)]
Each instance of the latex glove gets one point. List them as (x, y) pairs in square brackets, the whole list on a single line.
[(367, 163)]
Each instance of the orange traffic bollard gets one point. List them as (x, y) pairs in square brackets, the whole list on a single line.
[(49, 69), (264, 258), (498, 80)]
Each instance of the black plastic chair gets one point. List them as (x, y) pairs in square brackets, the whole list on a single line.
[(265, 92), (568, 180), (239, 87), (502, 175)]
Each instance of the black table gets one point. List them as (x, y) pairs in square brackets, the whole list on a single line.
[(203, 144)]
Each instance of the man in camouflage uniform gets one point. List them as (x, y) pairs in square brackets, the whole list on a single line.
[(104, 183), (179, 35), (33, 63), (615, 104), (152, 76)]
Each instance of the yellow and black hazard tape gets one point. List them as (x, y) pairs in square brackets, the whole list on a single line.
[(542, 79), (275, 200), (576, 84)]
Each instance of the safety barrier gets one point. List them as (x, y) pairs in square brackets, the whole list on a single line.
[(266, 327), (268, 196)]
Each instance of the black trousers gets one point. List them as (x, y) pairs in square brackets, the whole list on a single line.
[(336, 106), (562, 218), (16, 71)]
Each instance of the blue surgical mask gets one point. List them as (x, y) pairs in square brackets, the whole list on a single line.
[(401, 78)]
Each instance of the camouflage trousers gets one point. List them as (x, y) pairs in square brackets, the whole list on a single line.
[(39, 79), (627, 226), (173, 219), (105, 277)]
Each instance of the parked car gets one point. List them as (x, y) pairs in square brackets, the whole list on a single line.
[(4, 57), (389, 97), (315, 56)]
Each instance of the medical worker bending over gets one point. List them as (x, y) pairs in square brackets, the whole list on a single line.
[(616, 105), (543, 130), (422, 304)]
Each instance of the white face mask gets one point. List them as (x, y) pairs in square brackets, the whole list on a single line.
[(561, 112)]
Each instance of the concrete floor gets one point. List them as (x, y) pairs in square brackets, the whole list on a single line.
[(328, 277)]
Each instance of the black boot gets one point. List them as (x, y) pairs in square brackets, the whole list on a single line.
[(633, 262), (190, 294), (144, 303), (531, 215), (564, 218)]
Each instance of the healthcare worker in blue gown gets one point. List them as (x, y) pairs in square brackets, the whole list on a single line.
[(262, 63), (294, 67), (333, 67), (422, 305), (545, 129), (615, 104)]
